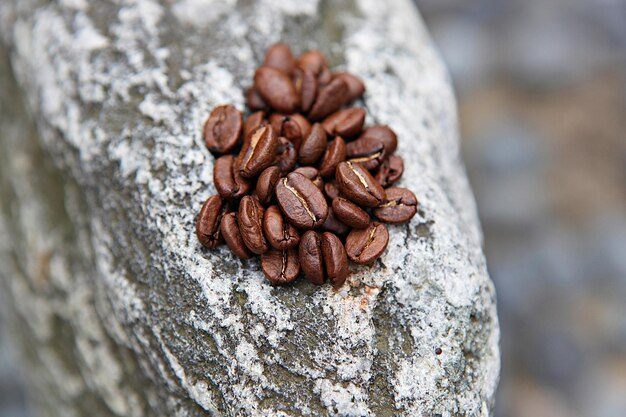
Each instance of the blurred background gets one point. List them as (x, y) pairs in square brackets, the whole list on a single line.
[(541, 86)]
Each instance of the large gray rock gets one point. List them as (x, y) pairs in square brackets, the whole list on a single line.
[(115, 307)]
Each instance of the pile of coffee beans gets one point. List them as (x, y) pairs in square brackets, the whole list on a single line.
[(300, 179)]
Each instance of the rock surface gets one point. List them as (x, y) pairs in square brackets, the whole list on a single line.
[(115, 307)]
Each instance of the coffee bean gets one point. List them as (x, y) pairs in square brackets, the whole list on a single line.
[(313, 174), (254, 100), (350, 214), (335, 259), (280, 267), (301, 201), (305, 84), (400, 207), (311, 258), (324, 77), (279, 57), (364, 246), (250, 220), (345, 123), (334, 225), (253, 122), (356, 88), (368, 152), (266, 184), (390, 171), (329, 99), (313, 145), (313, 61), (335, 153), (259, 152), (229, 229), (330, 190), (276, 89), (222, 129), (209, 219), (357, 185), (286, 157), (227, 178), (384, 134), (278, 231), (286, 127)]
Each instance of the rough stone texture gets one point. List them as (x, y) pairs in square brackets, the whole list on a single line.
[(115, 307)]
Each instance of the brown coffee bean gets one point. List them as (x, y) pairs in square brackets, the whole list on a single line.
[(250, 220), (335, 153), (329, 99), (305, 84), (334, 225), (276, 89), (311, 260), (313, 174), (384, 134), (286, 155), (278, 232), (301, 201), (356, 88), (286, 127), (209, 219), (324, 77), (229, 229), (364, 246), (279, 57), (253, 122), (400, 207), (345, 123), (369, 152), (313, 60), (259, 152), (266, 184), (254, 101), (390, 171), (280, 267), (335, 259), (357, 185), (350, 214), (222, 129), (313, 145), (227, 178), (330, 190)]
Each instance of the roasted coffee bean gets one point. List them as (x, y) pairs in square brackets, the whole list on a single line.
[(330, 190), (335, 259), (335, 153), (293, 127), (324, 77), (313, 145), (390, 171), (364, 246), (400, 207), (229, 229), (345, 123), (254, 100), (311, 258), (209, 219), (329, 99), (350, 214), (305, 84), (227, 178), (286, 157), (384, 134), (356, 88), (278, 231), (276, 89), (357, 185), (313, 174), (279, 57), (301, 201), (250, 220), (253, 122), (334, 225), (313, 61), (222, 129), (259, 152), (266, 184), (280, 267), (369, 152)]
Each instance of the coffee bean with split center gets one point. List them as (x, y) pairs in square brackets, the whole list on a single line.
[(278, 231), (390, 171), (229, 228), (222, 129), (364, 246), (250, 220), (292, 127), (346, 123), (276, 89), (286, 155), (301, 201), (281, 267), (323, 256), (209, 220), (313, 145), (334, 154), (266, 184), (366, 151), (305, 83), (357, 185), (400, 207), (350, 214), (227, 178), (259, 152)]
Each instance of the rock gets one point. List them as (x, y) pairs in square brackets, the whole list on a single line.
[(115, 307)]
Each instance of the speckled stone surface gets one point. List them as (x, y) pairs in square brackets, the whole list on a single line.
[(115, 307)]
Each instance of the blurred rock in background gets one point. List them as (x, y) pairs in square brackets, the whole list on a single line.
[(542, 108)]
